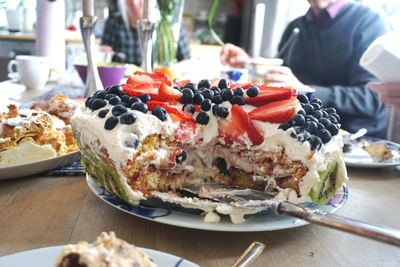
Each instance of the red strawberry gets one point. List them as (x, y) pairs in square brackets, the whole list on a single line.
[(278, 112), (178, 115), (268, 95), (242, 120), (229, 131), (138, 89), (160, 77), (181, 83), (168, 94), (139, 79)]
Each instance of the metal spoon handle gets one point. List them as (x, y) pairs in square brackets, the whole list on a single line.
[(385, 235), (251, 253), (93, 82)]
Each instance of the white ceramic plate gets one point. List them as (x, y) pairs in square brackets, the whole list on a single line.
[(21, 170), (46, 257), (358, 157), (267, 221)]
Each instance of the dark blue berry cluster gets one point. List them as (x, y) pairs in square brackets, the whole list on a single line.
[(313, 123), (121, 112), (210, 97)]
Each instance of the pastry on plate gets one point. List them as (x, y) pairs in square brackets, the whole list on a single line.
[(106, 250), (152, 136)]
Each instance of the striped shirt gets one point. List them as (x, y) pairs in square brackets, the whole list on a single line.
[(126, 45)]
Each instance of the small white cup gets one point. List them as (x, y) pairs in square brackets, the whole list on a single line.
[(33, 71)]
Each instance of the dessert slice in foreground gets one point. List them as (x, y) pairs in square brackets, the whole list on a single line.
[(153, 136), (107, 250)]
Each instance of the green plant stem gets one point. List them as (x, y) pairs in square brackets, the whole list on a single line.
[(210, 22)]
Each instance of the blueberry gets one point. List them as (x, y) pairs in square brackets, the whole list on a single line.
[(333, 129), (188, 108), (118, 110), (217, 99), (191, 86), (115, 89), (311, 118), (324, 121), (103, 113), (109, 96), (139, 106), (88, 101), (316, 101), (318, 114), (97, 104), (110, 123), (320, 126), (144, 97), (315, 142), (128, 118), (177, 88), (302, 112), (298, 120), (160, 113), (237, 100), (309, 109), (253, 91), (187, 96), (332, 119), (223, 83), (330, 110), (114, 100), (239, 91), (216, 90), (208, 94), (215, 109), (222, 112), (303, 136), (100, 94), (205, 83), (336, 116), (285, 126), (316, 106), (325, 135), (125, 98), (226, 94), (202, 118), (302, 98), (311, 127), (325, 113), (198, 98), (201, 89), (182, 157), (296, 130), (206, 105), (133, 100), (133, 143)]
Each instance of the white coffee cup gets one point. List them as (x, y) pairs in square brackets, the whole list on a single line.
[(33, 71)]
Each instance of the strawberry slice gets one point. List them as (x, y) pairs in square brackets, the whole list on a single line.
[(138, 89), (168, 94), (178, 115), (160, 77), (281, 111), (229, 131), (139, 79), (268, 95), (181, 83), (242, 120)]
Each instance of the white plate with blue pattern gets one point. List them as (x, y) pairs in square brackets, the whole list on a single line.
[(46, 257), (266, 221)]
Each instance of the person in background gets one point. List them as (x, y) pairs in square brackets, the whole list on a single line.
[(389, 92), (121, 36), (325, 56)]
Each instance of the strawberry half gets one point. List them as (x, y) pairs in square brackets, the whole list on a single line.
[(138, 89), (268, 95), (277, 112), (168, 94), (242, 120), (181, 83), (177, 114), (229, 132), (160, 77)]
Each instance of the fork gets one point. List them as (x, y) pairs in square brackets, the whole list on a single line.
[(257, 200)]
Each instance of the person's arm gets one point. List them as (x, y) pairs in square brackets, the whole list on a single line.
[(183, 46), (389, 93)]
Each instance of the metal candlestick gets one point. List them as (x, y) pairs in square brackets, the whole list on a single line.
[(145, 29), (93, 82)]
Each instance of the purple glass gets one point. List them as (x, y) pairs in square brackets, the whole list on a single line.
[(109, 75)]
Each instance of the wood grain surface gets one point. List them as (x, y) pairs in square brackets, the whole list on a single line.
[(47, 211)]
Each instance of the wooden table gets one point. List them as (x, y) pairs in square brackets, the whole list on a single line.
[(46, 211)]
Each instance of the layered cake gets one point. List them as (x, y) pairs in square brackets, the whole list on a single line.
[(151, 137), (106, 250)]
